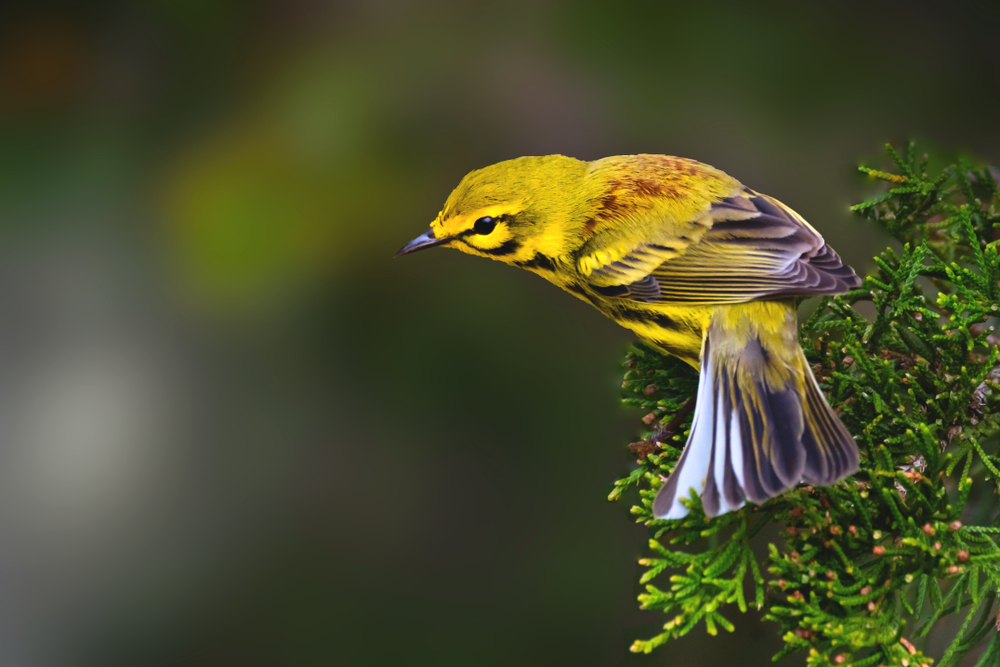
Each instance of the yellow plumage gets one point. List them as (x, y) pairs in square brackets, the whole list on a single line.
[(701, 267)]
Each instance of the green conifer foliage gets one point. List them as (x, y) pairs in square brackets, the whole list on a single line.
[(867, 568)]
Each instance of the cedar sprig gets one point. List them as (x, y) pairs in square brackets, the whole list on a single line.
[(868, 568)]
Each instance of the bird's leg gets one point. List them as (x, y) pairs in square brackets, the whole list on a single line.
[(664, 433)]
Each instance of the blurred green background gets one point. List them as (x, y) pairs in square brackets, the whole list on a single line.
[(233, 431)]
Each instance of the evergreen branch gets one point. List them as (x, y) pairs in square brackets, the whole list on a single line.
[(919, 386)]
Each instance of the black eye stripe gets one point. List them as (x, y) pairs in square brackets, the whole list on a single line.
[(509, 247)]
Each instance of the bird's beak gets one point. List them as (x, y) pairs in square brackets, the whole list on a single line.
[(425, 240)]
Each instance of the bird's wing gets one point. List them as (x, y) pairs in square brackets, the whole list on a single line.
[(649, 210), (751, 247)]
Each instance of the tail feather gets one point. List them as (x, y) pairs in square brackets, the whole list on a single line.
[(724, 487), (831, 453), (761, 426), (693, 466)]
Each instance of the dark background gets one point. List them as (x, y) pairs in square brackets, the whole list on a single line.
[(233, 431)]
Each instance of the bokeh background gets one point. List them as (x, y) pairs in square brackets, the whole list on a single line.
[(233, 431)]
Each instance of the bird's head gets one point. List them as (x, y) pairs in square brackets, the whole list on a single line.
[(511, 211)]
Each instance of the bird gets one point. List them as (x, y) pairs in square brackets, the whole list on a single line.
[(697, 265)]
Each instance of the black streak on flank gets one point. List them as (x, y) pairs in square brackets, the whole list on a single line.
[(646, 317), (580, 291), (611, 290), (508, 248), (539, 261), (682, 353)]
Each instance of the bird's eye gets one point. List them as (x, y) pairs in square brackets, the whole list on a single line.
[(485, 225)]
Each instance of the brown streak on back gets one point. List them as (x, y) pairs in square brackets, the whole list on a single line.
[(610, 204), (648, 188)]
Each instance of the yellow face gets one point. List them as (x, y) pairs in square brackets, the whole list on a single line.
[(488, 231), (491, 231), (510, 211)]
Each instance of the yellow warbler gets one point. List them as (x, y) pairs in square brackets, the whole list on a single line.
[(698, 265)]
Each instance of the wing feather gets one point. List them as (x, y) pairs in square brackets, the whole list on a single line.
[(754, 247)]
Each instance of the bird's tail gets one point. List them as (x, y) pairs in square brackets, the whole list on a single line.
[(761, 424)]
